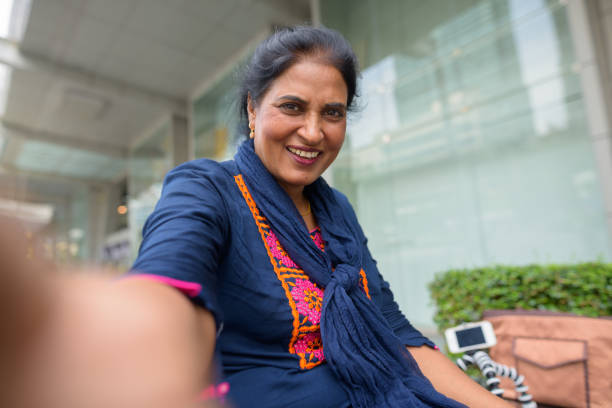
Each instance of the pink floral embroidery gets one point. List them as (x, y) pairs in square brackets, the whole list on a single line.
[(277, 250), (318, 239), (310, 343), (308, 299)]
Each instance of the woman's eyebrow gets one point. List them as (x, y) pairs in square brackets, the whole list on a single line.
[(336, 105), (292, 98)]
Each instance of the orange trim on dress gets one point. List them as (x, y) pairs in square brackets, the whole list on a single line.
[(262, 226), (364, 283)]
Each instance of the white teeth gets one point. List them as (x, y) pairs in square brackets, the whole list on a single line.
[(302, 153)]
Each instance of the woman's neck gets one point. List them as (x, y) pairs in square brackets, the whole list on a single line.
[(297, 196), (301, 203)]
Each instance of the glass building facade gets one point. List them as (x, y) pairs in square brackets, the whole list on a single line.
[(472, 145)]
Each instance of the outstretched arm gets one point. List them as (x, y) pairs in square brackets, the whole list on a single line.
[(448, 379), (79, 340)]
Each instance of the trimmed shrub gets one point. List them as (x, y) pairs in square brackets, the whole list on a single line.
[(462, 295)]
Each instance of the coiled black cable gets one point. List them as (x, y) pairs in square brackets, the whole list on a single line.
[(490, 369)]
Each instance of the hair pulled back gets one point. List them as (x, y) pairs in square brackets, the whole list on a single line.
[(285, 47)]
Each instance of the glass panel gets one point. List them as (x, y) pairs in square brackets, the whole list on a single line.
[(471, 146), (215, 116), (78, 245), (49, 158), (66, 239), (148, 164), (214, 120)]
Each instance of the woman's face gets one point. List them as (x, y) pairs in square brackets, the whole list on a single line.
[(300, 123)]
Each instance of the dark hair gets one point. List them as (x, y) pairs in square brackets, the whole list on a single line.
[(285, 47)]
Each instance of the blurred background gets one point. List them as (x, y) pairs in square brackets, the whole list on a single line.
[(483, 138)]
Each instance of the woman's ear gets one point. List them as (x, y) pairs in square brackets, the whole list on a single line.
[(250, 109)]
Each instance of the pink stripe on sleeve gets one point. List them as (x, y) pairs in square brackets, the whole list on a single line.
[(191, 289)]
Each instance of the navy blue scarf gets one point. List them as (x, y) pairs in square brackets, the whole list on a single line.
[(375, 369)]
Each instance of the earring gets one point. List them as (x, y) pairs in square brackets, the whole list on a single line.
[(252, 134)]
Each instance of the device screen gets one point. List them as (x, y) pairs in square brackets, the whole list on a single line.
[(470, 337)]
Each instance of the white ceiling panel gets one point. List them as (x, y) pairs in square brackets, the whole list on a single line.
[(195, 68), (183, 36), (150, 19), (135, 52), (112, 12), (37, 41), (26, 97), (31, 83), (248, 20), (128, 48), (167, 23), (222, 45), (55, 21), (90, 42), (46, 16), (209, 10), (102, 71)]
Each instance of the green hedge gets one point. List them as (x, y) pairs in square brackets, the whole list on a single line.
[(462, 295)]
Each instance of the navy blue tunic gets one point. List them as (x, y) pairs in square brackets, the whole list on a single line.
[(206, 232)]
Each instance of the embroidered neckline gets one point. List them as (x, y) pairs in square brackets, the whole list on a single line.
[(305, 298)]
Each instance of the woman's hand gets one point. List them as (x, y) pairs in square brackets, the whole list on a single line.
[(80, 340), (448, 379)]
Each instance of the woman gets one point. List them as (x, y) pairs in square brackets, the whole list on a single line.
[(266, 249)]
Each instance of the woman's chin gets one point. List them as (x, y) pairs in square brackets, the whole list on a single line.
[(296, 183)]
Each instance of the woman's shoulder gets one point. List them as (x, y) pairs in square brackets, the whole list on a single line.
[(342, 200), (199, 168), (200, 179), (348, 210), (340, 196), (203, 166)]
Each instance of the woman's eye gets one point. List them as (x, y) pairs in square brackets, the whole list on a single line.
[(290, 107), (334, 113)]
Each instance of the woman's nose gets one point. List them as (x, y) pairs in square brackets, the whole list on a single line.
[(311, 130)]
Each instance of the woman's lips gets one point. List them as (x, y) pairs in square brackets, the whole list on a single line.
[(304, 156)]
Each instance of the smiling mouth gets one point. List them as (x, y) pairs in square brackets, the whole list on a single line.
[(303, 153)]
